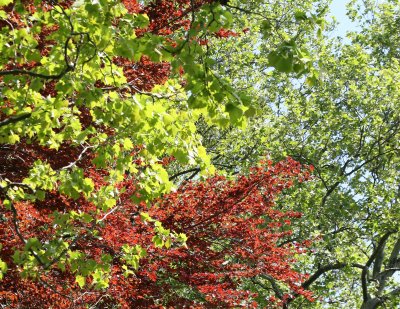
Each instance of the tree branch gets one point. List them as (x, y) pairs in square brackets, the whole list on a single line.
[(73, 163), (321, 271), (274, 286), (379, 247), (14, 119), (391, 267), (394, 254), (34, 74), (246, 11), (196, 169), (379, 261), (21, 237)]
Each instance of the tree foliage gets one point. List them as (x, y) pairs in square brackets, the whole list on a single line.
[(342, 117), (115, 116), (98, 98)]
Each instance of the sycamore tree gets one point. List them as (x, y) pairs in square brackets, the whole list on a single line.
[(101, 104), (343, 118)]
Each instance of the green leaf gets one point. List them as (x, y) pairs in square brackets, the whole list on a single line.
[(235, 112), (250, 112), (7, 204), (158, 242), (3, 269), (145, 217), (181, 155), (265, 28), (141, 21), (5, 2), (281, 62), (108, 204), (126, 48), (127, 144), (300, 15), (80, 280)]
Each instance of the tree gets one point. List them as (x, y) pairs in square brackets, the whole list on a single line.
[(230, 228), (97, 98), (342, 117)]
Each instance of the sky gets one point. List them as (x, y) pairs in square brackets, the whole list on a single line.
[(338, 9)]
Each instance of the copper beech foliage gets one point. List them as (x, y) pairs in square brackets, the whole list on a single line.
[(234, 232)]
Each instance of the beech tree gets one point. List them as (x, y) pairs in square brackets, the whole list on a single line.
[(130, 139), (98, 98), (343, 119), (132, 256)]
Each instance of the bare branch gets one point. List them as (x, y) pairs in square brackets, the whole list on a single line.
[(72, 164)]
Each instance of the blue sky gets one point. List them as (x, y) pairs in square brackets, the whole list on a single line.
[(338, 9)]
